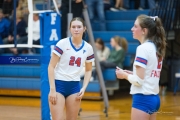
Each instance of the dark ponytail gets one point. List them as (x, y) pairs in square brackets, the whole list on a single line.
[(160, 39), (156, 32)]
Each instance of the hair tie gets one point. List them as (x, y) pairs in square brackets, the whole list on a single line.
[(154, 18)]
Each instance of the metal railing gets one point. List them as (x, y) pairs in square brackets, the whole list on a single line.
[(168, 11)]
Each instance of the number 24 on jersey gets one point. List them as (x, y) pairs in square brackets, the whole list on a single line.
[(74, 61)]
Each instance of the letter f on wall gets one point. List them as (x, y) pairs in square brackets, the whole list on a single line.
[(53, 18)]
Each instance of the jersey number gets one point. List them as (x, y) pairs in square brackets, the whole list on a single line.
[(73, 61)]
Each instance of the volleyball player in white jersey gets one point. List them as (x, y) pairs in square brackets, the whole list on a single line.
[(146, 68), (68, 58)]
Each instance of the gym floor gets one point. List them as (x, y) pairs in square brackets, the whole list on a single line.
[(25, 108)]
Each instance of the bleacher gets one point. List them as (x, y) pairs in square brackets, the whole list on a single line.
[(23, 79), (118, 23)]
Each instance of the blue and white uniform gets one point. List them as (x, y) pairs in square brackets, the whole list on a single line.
[(146, 97), (69, 68)]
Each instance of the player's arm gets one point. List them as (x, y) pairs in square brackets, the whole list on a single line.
[(88, 71), (138, 78), (52, 64), (87, 76), (140, 63), (135, 79), (140, 72)]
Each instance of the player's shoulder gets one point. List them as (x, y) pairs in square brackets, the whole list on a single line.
[(147, 46), (63, 41), (86, 44)]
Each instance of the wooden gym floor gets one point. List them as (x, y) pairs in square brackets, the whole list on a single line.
[(17, 108)]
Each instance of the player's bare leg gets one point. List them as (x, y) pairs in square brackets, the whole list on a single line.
[(57, 110), (72, 107), (139, 115), (153, 116)]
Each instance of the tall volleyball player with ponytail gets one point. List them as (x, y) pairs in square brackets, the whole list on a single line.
[(146, 68)]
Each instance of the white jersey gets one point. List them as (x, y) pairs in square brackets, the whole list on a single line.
[(71, 59), (146, 57)]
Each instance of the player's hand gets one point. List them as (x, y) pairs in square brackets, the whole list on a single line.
[(118, 68), (80, 94), (119, 73), (53, 96), (129, 72)]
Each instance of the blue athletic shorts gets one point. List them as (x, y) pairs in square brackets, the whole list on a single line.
[(67, 88), (147, 103)]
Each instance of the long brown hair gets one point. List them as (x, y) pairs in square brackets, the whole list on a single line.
[(156, 32), (121, 41)]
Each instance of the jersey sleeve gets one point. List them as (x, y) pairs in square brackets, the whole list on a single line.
[(58, 48), (90, 56), (141, 57)]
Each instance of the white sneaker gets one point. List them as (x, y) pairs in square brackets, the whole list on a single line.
[(140, 8), (123, 9), (92, 79), (114, 9), (164, 90)]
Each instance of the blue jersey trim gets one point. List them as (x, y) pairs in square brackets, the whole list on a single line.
[(56, 48), (74, 47), (90, 57), (141, 60)]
